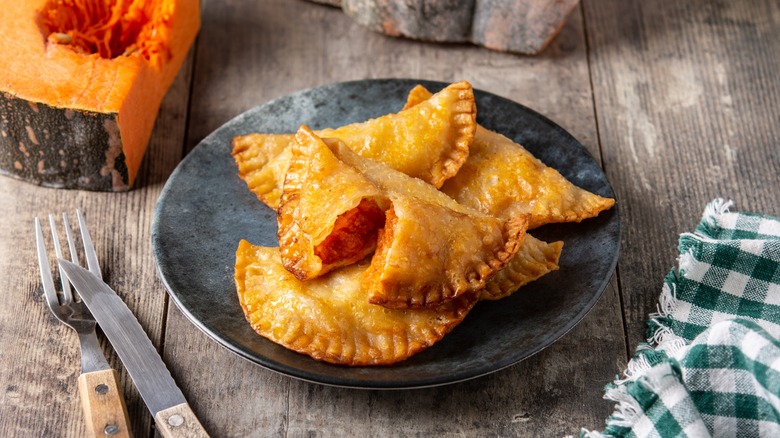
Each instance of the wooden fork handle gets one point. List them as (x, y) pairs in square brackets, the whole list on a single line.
[(104, 407)]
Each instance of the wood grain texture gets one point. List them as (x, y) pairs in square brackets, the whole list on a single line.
[(103, 404), (679, 98), (687, 100), (40, 359), (179, 422)]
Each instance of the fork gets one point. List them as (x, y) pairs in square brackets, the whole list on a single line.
[(102, 402)]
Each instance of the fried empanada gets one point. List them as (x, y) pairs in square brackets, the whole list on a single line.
[(432, 249), (500, 173), (430, 142), (330, 318), (534, 259), (329, 213), (428, 254), (262, 161)]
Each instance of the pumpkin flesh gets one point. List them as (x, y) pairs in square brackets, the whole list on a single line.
[(82, 73)]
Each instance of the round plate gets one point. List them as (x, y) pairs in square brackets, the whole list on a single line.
[(205, 209)]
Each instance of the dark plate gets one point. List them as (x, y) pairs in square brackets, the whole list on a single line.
[(205, 209)]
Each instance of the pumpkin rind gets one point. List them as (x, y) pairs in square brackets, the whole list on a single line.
[(519, 26), (60, 148), (76, 120)]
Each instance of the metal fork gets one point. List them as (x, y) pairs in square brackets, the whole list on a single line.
[(102, 402)]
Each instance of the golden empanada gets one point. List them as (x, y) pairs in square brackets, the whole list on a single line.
[(500, 173), (432, 249), (330, 318), (428, 254), (430, 141), (329, 213), (534, 259), (262, 161)]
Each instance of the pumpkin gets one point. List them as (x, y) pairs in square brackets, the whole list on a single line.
[(81, 82), (520, 26)]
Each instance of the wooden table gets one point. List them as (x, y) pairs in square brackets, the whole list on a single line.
[(680, 101)]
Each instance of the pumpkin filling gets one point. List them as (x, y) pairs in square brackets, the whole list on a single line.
[(353, 232), (373, 274), (110, 28)]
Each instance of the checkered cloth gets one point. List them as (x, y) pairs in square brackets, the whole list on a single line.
[(711, 366)]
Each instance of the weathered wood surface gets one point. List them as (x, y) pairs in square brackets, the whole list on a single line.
[(687, 97), (40, 358), (679, 99)]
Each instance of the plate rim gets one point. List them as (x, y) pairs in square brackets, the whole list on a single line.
[(346, 381)]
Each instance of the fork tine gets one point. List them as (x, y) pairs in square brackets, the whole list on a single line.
[(71, 244), (67, 295), (45, 268), (89, 250)]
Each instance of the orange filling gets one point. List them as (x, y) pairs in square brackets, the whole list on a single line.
[(353, 233), (110, 28), (384, 241)]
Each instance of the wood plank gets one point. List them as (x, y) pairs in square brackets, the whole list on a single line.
[(40, 357), (249, 53), (686, 95)]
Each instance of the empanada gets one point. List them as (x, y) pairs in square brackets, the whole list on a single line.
[(432, 249), (534, 259), (329, 213), (430, 141), (428, 254), (500, 173), (262, 161), (330, 318)]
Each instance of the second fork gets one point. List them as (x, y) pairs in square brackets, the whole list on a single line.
[(101, 399)]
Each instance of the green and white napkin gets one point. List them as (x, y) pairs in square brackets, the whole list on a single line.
[(711, 366)]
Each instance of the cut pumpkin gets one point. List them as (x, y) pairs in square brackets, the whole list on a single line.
[(81, 83)]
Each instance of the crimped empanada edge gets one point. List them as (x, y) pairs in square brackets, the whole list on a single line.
[(509, 280), (453, 314), (465, 119), (245, 149), (513, 233)]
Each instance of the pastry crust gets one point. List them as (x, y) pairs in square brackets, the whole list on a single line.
[(429, 142), (429, 254), (330, 318), (501, 178), (432, 249), (394, 183), (534, 259), (437, 252), (262, 161), (329, 213)]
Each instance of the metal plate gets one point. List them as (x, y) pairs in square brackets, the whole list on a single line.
[(205, 209)]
